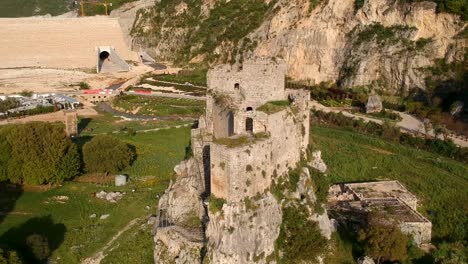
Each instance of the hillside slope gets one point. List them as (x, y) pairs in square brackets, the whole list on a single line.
[(383, 44)]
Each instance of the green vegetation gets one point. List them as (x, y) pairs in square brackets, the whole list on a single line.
[(352, 156), (228, 22), (8, 104), (67, 225), (22, 8), (35, 111), (234, 142), (216, 204), (108, 154), (458, 7), (390, 132), (37, 153), (274, 106), (384, 241), (83, 86), (299, 239), (196, 76), (160, 106), (386, 115), (191, 220)]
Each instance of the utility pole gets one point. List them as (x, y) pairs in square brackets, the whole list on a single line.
[(106, 5)]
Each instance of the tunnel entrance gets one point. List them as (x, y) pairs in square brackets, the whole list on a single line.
[(104, 55)]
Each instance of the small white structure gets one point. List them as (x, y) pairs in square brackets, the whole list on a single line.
[(374, 104), (120, 180)]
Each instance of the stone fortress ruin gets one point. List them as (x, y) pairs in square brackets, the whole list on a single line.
[(350, 202), (253, 129)]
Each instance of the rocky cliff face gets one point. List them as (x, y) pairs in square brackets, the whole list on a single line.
[(384, 45)]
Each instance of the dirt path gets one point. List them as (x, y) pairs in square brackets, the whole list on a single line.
[(98, 256), (408, 123)]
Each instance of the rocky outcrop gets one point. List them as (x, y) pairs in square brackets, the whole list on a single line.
[(317, 162), (322, 43), (244, 232), (179, 234), (374, 104), (322, 46)]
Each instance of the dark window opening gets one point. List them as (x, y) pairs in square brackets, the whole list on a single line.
[(249, 124), (236, 86), (249, 108), (207, 170), (230, 124)]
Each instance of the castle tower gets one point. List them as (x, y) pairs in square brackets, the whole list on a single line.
[(71, 123), (254, 129)]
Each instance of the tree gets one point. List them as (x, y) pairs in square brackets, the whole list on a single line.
[(383, 240), (106, 153), (451, 253), (8, 104), (41, 153)]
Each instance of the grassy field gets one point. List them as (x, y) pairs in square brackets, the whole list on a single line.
[(25, 8), (72, 234), (106, 123), (159, 106), (441, 184)]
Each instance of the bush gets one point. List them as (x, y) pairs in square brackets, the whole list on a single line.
[(299, 239), (37, 153), (83, 86), (216, 204), (9, 257), (39, 246), (384, 241), (106, 153)]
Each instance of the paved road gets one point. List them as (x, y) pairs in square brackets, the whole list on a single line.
[(408, 123)]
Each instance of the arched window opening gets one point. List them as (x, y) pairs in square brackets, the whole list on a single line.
[(249, 124), (249, 108), (236, 86)]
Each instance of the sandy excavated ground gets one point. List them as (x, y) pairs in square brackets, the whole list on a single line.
[(55, 80), (62, 43)]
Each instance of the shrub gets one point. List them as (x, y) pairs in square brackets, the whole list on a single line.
[(106, 153), (37, 153), (299, 239), (384, 241), (83, 86), (39, 246), (216, 204)]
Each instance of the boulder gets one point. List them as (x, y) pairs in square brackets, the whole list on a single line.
[(365, 260), (374, 104), (317, 162)]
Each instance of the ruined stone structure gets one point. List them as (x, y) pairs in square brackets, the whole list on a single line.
[(253, 131), (71, 122), (247, 143), (391, 198)]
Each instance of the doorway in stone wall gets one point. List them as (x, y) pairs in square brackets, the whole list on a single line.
[(230, 124), (249, 124)]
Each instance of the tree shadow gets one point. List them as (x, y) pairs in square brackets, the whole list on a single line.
[(84, 122), (9, 194), (24, 239)]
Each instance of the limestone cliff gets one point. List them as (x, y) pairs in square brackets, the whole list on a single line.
[(385, 44)]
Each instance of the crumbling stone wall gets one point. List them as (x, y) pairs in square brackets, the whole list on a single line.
[(421, 231), (255, 82)]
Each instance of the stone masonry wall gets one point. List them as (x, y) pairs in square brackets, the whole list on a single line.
[(259, 81)]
